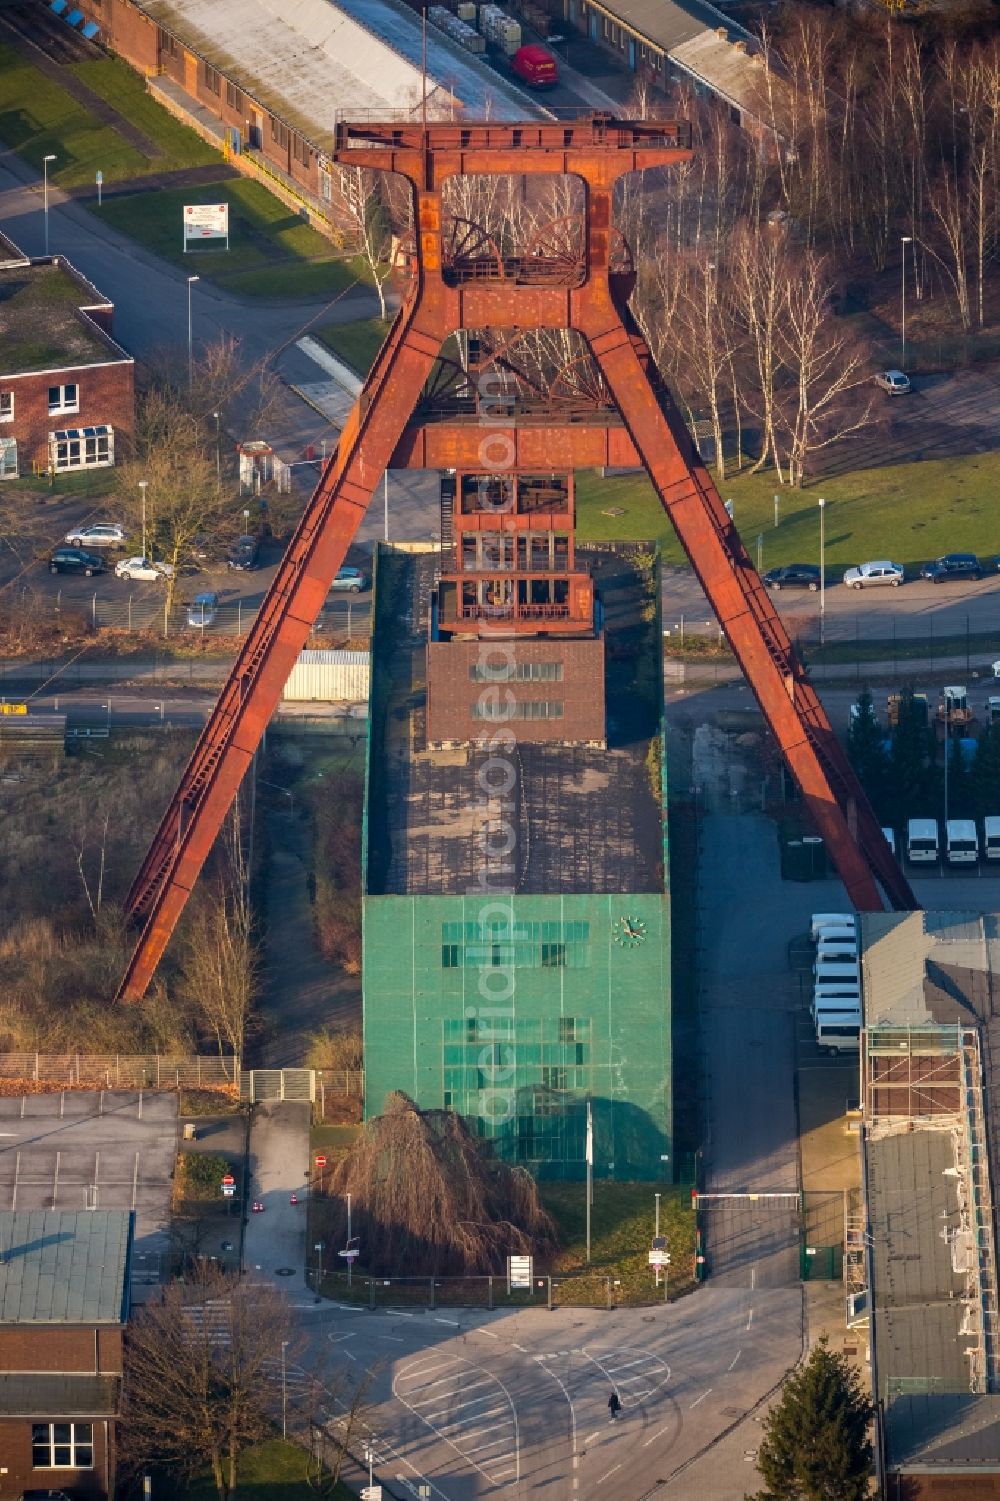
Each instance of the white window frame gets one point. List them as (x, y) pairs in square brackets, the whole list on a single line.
[(81, 448), (6, 406), (8, 446), (62, 403), (74, 1445)]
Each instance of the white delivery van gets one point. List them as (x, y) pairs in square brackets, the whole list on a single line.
[(832, 990), (836, 971), (961, 841), (890, 839), (991, 838), (822, 920), (824, 1005), (844, 948), (837, 935), (839, 1031), (922, 841)]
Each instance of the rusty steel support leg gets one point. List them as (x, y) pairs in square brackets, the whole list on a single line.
[(747, 616), (234, 730)]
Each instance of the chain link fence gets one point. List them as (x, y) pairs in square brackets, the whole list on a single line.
[(121, 1071), (147, 611), (583, 1290)]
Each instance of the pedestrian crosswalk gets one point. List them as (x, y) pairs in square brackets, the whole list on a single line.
[(467, 1407)]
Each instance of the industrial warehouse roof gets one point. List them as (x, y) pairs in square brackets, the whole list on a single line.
[(666, 23), (426, 840), (312, 63), (922, 971), (64, 1266)]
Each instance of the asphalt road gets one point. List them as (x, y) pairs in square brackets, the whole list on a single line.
[(472, 1403)]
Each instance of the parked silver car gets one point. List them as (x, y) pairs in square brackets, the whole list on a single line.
[(865, 575)]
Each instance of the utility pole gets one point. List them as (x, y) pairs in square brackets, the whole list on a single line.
[(590, 1171)]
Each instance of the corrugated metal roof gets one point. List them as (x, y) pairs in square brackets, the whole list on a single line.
[(64, 1267), (667, 24), (333, 658), (739, 76), (311, 63), (53, 1396)]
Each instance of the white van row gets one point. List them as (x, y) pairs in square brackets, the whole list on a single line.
[(961, 844), (836, 1004)]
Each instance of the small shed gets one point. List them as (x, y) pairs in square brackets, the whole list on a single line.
[(334, 677)]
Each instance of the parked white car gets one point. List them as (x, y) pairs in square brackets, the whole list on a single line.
[(144, 569), (868, 574), (893, 382), (99, 534)]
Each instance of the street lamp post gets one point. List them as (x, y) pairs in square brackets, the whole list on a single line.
[(822, 571), (45, 195), (318, 1248), (218, 453), (191, 281), (906, 240), (349, 1261), (284, 1392), (142, 486)]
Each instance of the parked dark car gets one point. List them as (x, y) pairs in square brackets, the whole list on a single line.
[(75, 560), (954, 565), (793, 576), (245, 553)]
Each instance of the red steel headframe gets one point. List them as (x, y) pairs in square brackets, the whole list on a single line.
[(598, 150)]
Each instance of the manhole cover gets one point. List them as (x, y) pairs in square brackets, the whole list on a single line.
[(284, 1271)]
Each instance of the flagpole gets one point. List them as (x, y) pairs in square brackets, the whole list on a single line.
[(590, 1172)]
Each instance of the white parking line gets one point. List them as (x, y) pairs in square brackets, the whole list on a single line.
[(648, 1441), (734, 1360), (694, 1404), (749, 1318), (591, 1436), (437, 1364), (608, 1474), (452, 1322)]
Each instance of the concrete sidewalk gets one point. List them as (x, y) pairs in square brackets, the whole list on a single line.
[(274, 1248)]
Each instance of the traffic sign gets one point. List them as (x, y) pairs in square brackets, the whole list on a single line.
[(228, 1190), (371, 1493), (13, 708), (228, 1180), (348, 1255), (659, 1258), (320, 1160)]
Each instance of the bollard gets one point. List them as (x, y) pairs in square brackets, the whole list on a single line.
[(549, 1304), (489, 1294), (432, 1305), (371, 1294)]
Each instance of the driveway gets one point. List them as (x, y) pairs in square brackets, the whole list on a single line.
[(274, 1247)]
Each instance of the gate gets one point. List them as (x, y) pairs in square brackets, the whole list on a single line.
[(258, 1084), (750, 1238)]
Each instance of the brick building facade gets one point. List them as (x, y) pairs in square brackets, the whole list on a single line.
[(67, 390), (534, 689), (64, 1300)]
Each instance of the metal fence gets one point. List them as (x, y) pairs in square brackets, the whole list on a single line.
[(586, 1290), (147, 611), (121, 1071), (257, 1084)]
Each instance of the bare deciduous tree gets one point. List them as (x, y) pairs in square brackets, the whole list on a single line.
[(202, 1384), (221, 962)]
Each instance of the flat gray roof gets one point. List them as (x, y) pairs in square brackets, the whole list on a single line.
[(54, 1148), (64, 1266), (43, 325), (668, 24)]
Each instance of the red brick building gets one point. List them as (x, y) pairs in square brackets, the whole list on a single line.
[(64, 1301), (67, 390)]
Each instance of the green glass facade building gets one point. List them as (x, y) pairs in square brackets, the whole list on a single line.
[(516, 913)]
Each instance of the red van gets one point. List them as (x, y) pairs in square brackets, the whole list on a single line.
[(535, 66)]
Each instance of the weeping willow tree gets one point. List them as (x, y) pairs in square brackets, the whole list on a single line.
[(427, 1200)]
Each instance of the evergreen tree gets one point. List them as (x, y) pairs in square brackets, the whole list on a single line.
[(866, 749), (986, 773), (815, 1445), (960, 782), (911, 759)]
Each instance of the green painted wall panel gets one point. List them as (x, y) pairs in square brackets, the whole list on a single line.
[(502, 1009)]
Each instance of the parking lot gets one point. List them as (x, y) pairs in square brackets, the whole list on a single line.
[(108, 1149)]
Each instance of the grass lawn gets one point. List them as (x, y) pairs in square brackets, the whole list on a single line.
[(357, 342), (272, 250), (622, 1224), (273, 1471), (37, 118), (907, 512), (126, 92)]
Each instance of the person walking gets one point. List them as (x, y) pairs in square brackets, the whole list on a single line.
[(614, 1406)]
